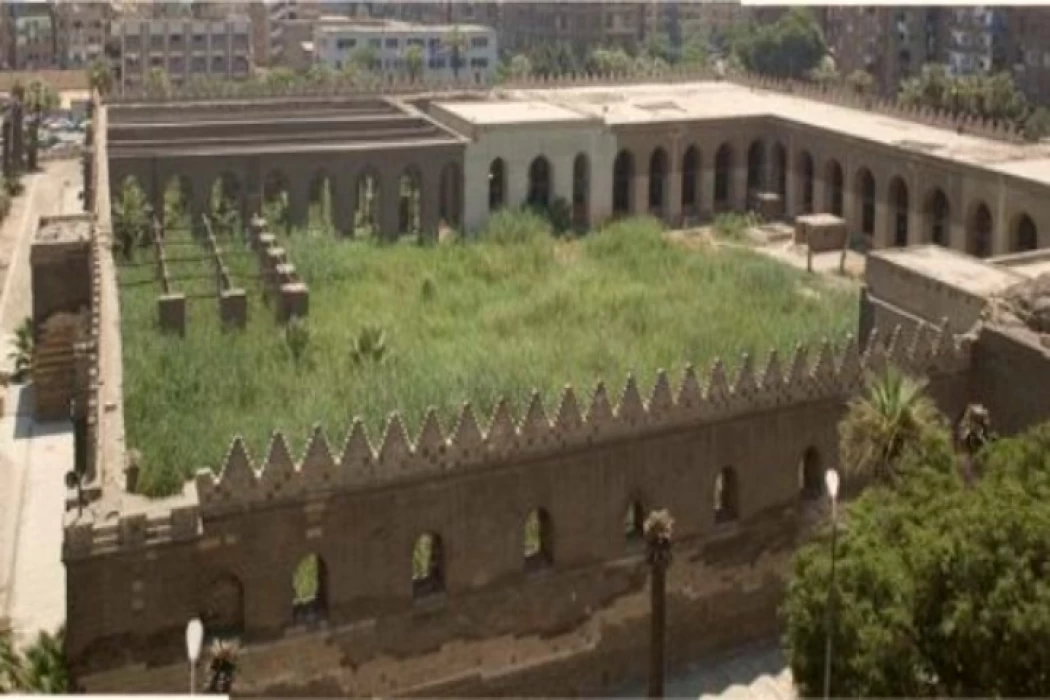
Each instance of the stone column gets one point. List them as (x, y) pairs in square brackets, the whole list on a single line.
[(738, 186), (673, 209), (430, 204), (1001, 226), (298, 202), (389, 206), (882, 236), (705, 197), (792, 184), (917, 233), (641, 191)]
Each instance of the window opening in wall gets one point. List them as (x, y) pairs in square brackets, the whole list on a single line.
[(428, 576), (810, 477), (538, 544), (634, 522), (726, 504), (309, 602)]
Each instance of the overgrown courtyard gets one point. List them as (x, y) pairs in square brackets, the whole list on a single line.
[(405, 327)]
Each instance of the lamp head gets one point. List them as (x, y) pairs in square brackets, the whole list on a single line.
[(831, 481), (194, 638)]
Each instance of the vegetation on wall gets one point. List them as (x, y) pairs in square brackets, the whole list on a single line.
[(463, 322), (941, 586)]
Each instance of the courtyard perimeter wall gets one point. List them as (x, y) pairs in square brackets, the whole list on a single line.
[(136, 577)]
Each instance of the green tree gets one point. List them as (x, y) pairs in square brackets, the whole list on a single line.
[(280, 78), (40, 669), (892, 413), (1037, 124), (320, 74), (606, 61), (100, 77), (941, 587), (861, 81), (789, 48), (520, 67), (826, 71), (364, 59), (21, 354), (414, 62), (456, 43), (131, 217), (157, 83)]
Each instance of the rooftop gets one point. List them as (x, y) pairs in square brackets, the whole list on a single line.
[(672, 102), (382, 26), (952, 268), (487, 113)]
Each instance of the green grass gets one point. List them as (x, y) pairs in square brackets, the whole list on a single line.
[(466, 322)]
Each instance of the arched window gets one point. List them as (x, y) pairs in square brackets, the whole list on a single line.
[(726, 496), (539, 195), (538, 547), (657, 181), (428, 566), (634, 522), (723, 175), (979, 233), (623, 181), (899, 207), (309, 590), (937, 213), (1026, 237), (497, 184), (690, 178), (835, 181), (809, 475)]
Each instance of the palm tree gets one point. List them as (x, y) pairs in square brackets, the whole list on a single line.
[(893, 414), (100, 77), (10, 665), (659, 528), (414, 62), (456, 42), (22, 353), (41, 669)]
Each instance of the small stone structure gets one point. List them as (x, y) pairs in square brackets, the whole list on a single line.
[(820, 232), (282, 285), (768, 205)]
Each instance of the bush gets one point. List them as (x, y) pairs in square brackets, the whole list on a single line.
[(560, 215), (734, 227), (515, 226)]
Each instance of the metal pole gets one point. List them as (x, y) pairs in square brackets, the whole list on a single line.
[(193, 678), (828, 608)]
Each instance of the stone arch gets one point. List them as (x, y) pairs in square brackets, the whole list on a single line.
[(1025, 234), (898, 196), (178, 202), (581, 191), (367, 200), (428, 565), (497, 184), (835, 185), (222, 611), (623, 183), (690, 180), (807, 175), (810, 475), (451, 195), (538, 549), (779, 171), (540, 183), (309, 590), (723, 177), (658, 166), (321, 200), (756, 166), (937, 213), (727, 496), (864, 191), (634, 521), (410, 201), (979, 230)]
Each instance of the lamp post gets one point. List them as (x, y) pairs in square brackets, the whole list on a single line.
[(831, 481), (194, 638)]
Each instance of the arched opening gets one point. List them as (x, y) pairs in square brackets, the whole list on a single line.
[(275, 199), (865, 193), (835, 185), (723, 176), (979, 231), (321, 213), (726, 496), (309, 590), (366, 209), (539, 540), (623, 179), (178, 193), (539, 195), (690, 179), (428, 566), (756, 166), (451, 195), (581, 187), (657, 182), (497, 184), (410, 190), (1026, 236), (899, 209), (810, 475), (807, 174), (937, 212), (222, 611), (634, 522), (224, 205), (779, 175)]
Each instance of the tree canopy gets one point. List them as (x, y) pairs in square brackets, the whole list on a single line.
[(791, 47), (942, 586)]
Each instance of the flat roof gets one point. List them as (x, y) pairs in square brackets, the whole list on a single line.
[(510, 113), (641, 104), (952, 268), (333, 24)]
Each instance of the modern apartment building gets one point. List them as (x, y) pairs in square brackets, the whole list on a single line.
[(336, 41), (976, 40), (30, 36), (1028, 29), (186, 49), (83, 29), (583, 26)]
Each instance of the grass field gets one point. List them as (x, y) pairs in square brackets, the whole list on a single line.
[(466, 322)]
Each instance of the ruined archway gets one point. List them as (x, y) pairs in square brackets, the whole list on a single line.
[(497, 184), (726, 496), (756, 166), (864, 191), (807, 174), (309, 590), (658, 182), (1026, 235), (581, 188), (367, 202), (539, 194), (690, 180), (834, 182), (623, 181), (979, 231), (898, 193), (410, 199), (810, 475), (538, 545), (937, 213), (723, 176)]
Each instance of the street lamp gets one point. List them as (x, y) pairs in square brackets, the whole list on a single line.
[(831, 481), (194, 637)]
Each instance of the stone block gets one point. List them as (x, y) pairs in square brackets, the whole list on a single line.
[(294, 301), (266, 240), (233, 308), (272, 257), (821, 232), (256, 228), (767, 205), (172, 313), (285, 273)]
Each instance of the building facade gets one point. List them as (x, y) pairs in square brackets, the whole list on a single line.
[(1029, 40), (31, 36), (337, 43), (83, 29), (185, 49), (976, 40)]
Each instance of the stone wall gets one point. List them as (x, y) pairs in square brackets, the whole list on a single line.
[(1012, 377)]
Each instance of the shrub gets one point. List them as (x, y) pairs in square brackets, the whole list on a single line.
[(369, 346), (514, 226), (297, 338), (428, 290), (734, 227), (560, 215)]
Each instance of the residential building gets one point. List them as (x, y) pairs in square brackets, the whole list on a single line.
[(83, 29), (268, 20), (31, 39), (976, 40), (186, 49), (337, 40), (1029, 51), (583, 26)]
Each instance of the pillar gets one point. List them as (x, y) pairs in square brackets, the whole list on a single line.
[(430, 204), (389, 206), (792, 185), (738, 185), (673, 190), (640, 196), (299, 202)]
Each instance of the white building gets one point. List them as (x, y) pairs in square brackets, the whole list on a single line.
[(336, 41)]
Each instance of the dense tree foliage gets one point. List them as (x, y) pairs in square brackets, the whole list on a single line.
[(942, 586), (791, 47), (40, 669), (131, 218)]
